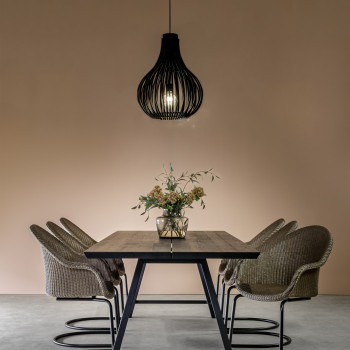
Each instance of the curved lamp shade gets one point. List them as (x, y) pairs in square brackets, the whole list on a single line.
[(170, 91)]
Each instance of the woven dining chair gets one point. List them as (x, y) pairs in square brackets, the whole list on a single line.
[(76, 248), (70, 276), (87, 241), (227, 266), (287, 271), (261, 246)]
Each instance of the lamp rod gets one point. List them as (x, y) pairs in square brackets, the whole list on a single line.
[(169, 16)]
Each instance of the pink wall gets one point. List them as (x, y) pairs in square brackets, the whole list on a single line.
[(274, 123)]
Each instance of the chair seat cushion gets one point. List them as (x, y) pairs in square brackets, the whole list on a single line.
[(262, 289)]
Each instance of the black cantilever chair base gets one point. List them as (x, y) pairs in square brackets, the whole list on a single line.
[(272, 324), (57, 340), (283, 339), (71, 324), (243, 330), (287, 340)]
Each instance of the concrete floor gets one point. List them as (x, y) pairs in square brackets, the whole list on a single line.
[(31, 321)]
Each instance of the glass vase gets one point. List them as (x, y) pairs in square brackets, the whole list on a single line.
[(171, 225)]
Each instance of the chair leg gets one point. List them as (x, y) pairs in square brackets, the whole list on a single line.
[(110, 319), (116, 307), (110, 315), (227, 303), (121, 294), (126, 286), (222, 296), (281, 334), (282, 323), (233, 315), (217, 283)]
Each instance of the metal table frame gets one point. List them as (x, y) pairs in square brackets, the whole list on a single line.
[(208, 287), (196, 250)]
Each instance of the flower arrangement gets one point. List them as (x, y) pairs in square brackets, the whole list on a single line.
[(173, 196)]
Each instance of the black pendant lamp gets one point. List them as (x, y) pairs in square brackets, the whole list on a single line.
[(170, 91)]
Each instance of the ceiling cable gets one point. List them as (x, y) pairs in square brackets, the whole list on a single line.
[(169, 16)]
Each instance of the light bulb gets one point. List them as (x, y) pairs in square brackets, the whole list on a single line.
[(169, 98)]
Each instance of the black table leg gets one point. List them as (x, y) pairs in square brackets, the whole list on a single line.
[(138, 289), (214, 302), (206, 291), (130, 302)]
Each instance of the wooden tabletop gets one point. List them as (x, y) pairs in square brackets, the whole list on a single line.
[(211, 244), (147, 245)]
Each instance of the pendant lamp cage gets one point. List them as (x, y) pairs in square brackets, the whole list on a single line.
[(170, 90)]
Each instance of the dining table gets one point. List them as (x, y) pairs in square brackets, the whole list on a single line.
[(148, 248)]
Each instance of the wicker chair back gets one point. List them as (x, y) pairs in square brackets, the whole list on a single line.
[(78, 233), (227, 266), (67, 274), (87, 241), (66, 238)]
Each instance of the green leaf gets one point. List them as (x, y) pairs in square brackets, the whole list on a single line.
[(134, 207), (212, 178)]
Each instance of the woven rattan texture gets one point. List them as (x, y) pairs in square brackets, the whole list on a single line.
[(276, 236), (87, 242), (265, 234), (228, 265), (255, 242), (66, 238), (73, 244), (78, 233)]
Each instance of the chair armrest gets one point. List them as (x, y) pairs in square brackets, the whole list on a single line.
[(232, 270), (74, 279), (77, 261)]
